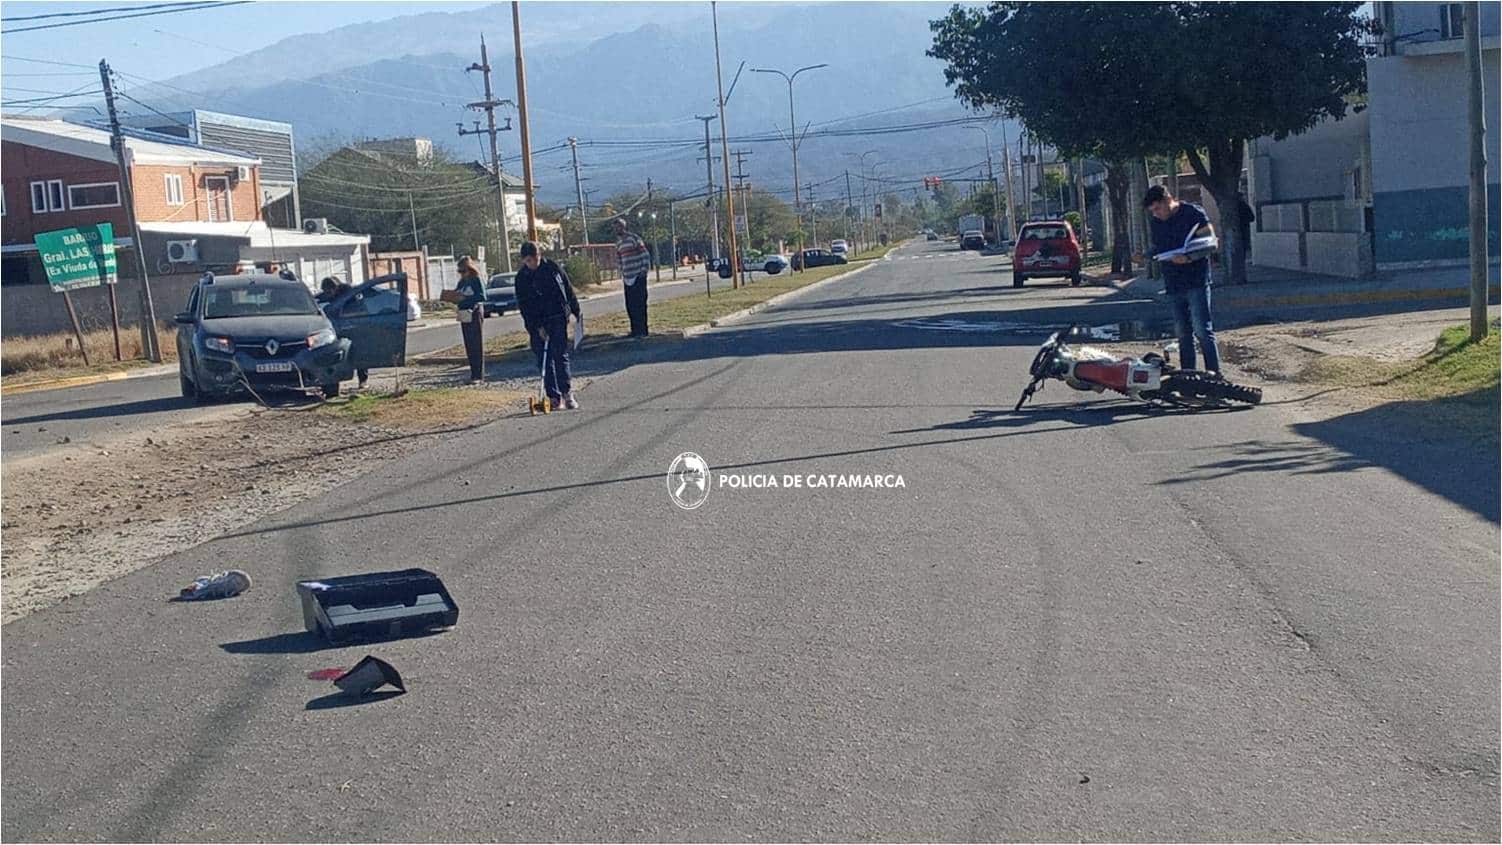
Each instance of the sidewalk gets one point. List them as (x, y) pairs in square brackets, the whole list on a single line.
[(1272, 287)]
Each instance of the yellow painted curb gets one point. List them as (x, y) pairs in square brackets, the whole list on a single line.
[(1354, 298), (59, 383)]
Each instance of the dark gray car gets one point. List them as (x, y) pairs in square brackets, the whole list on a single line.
[(265, 332)]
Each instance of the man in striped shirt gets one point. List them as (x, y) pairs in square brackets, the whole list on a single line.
[(635, 261)]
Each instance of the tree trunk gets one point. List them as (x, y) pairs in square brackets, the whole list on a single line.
[(1223, 180), (1117, 185)]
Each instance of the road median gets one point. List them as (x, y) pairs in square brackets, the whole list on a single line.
[(674, 318)]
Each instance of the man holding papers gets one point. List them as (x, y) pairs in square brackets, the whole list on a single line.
[(1183, 240)]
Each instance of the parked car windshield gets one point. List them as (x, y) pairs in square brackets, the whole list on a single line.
[(257, 301)]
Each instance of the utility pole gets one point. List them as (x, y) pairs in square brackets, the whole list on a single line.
[(489, 105), (1027, 178), (725, 145), (743, 184), (849, 204), (1478, 170), (412, 210), (813, 215), (521, 108), (1006, 162), (714, 214), (1079, 195), (573, 144), (150, 344), (673, 234)]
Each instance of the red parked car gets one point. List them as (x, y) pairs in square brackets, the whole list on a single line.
[(1047, 248)]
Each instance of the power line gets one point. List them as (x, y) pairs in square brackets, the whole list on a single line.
[(124, 17), (51, 62), (108, 10)]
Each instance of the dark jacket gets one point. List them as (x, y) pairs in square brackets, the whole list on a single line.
[(325, 298), (1189, 221), (544, 294), (473, 290)]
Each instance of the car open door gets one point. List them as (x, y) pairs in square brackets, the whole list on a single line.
[(373, 317)]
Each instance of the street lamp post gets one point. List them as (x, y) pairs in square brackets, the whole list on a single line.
[(864, 194), (793, 136)]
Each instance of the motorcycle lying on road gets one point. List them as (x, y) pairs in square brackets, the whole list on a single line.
[(1148, 379)]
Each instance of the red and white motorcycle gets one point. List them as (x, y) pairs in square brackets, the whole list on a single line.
[(1148, 379)]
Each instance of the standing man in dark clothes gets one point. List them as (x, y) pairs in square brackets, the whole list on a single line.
[(331, 289), (1186, 275), (472, 317), (545, 298), (635, 261)]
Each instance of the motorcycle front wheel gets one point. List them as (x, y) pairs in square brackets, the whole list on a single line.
[(1196, 385)]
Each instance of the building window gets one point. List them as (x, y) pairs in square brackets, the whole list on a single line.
[(174, 189), (94, 195), (1451, 21), (47, 196)]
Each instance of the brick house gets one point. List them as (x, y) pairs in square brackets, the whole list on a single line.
[(199, 209)]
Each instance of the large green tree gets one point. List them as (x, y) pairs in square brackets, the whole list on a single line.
[(1120, 81), (402, 202)]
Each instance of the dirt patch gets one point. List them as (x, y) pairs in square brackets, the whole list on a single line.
[(82, 515)]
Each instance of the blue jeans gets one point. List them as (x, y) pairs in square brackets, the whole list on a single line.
[(1191, 318), (557, 379)]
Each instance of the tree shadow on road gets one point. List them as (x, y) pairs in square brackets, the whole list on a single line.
[(1081, 414), (1446, 446)]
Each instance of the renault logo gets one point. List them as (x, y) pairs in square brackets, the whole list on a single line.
[(272, 346)]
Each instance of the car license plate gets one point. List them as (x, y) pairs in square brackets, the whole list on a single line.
[(274, 367)]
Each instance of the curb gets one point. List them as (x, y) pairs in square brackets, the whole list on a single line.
[(1352, 298), (79, 381), (692, 331)]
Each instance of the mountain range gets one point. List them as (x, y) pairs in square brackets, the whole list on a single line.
[(626, 79)]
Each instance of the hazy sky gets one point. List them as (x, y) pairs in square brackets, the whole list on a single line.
[(163, 46)]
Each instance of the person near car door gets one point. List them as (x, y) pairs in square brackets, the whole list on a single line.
[(546, 300), (331, 289), (635, 262), (472, 317), (1186, 277)]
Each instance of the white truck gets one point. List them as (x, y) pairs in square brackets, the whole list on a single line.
[(972, 231)]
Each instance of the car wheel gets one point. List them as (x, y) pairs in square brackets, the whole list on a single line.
[(331, 390), (1017, 280), (1074, 280), (770, 269), (188, 389)]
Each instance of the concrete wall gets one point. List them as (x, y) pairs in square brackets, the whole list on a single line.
[(34, 309), (1317, 164), (1421, 155), (1346, 254), (1283, 250)]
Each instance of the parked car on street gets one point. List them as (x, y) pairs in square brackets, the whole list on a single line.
[(751, 262), (500, 294), (839, 247), (259, 331), (816, 258), (1046, 248)]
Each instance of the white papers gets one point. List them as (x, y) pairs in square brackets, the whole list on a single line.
[(578, 331), (1200, 244)]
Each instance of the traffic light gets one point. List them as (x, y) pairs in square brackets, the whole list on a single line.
[(932, 183)]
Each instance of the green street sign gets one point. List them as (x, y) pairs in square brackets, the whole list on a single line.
[(82, 257)]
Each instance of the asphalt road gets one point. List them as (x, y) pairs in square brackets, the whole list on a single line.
[(1079, 622), (36, 422)]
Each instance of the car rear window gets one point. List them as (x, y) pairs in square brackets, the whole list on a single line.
[(257, 301), (1044, 233)]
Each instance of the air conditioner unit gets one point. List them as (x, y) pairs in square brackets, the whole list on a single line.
[(242, 173), (182, 252), (316, 225)]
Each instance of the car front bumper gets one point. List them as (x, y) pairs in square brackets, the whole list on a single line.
[(310, 368)]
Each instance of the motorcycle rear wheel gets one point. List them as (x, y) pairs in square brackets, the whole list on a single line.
[(1195, 385)]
